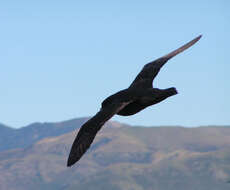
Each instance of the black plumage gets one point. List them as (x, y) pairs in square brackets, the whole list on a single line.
[(139, 95)]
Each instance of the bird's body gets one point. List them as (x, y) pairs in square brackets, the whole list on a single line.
[(139, 95), (140, 98)]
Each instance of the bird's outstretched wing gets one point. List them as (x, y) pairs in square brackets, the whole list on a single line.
[(150, 70), (89, 130)]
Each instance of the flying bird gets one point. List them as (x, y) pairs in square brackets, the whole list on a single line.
[(139, 95)]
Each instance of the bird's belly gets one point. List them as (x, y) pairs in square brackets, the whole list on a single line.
[(138, 105), (132, 108)]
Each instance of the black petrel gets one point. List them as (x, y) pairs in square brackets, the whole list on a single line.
[(139, 95)]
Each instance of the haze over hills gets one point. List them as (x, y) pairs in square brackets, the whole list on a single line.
[(122, 157)]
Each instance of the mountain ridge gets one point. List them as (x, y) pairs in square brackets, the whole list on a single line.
[(11, 138)]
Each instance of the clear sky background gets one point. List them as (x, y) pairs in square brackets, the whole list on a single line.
[(60, 59)]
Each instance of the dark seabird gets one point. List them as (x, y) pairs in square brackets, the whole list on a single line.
[(139, 95)]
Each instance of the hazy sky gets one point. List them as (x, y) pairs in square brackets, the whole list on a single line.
[(60, 59)]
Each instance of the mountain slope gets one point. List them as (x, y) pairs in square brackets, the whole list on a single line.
[(5, 130), (129, 158)]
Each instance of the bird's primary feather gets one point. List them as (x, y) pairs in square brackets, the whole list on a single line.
[(150, 70)]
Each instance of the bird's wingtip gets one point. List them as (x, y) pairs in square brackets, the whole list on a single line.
[(199, 37), (70, 162), (181, 49), (68, 165), (193, 41)]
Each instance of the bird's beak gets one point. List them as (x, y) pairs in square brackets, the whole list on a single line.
[(181, 49)]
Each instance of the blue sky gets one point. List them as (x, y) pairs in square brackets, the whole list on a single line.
[(60, 59)]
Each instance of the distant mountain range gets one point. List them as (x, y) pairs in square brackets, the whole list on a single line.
[(11, 138), (121, 158)]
